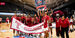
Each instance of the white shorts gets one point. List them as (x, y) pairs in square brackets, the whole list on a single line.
[(42, 34), (45, 29), (71, 27), (7, 23)]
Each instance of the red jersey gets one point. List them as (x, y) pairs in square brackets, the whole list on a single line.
[(18, 18), (51, 19), (64, 23), (33, 21), (13, 17), (22, 18), (37, 20), (28, 20), (67, 19), (58, 22), (45, 18), (7, 20), (0, 19)]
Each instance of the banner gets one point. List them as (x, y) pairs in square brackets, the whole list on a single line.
[(17, 25), (40, 4)]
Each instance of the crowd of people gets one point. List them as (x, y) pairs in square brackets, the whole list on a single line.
[(62, 23)]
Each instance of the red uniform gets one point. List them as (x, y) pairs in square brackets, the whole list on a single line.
[(18, 18), (37, 20), (64, 23), (33, 21), (23, 19), (58, 31), (58, 22), (45, 18), (13, 17), (51, 19), (7, 20), (71, 21), (28, 20), (0, 20), (64, 28)]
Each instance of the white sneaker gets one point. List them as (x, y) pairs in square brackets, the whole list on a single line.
[(57, 37), (51, 37)]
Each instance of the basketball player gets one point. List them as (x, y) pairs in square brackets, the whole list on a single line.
[(0, 21), (37, 20), (23, 18), (29, 20), (11, 21), (7, 21), (45, 19), (50, 25), (50, 22), (71, 24), (40, 16)]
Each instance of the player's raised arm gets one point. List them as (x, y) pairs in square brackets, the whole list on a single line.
[(38, 12), (51, 11)]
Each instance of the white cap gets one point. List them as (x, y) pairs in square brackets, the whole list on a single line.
[(57, 14), (25, 14), (21, 14)]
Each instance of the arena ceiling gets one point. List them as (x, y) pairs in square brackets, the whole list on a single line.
[(30, 4)]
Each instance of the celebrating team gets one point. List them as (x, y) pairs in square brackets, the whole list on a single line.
[(62, 23)]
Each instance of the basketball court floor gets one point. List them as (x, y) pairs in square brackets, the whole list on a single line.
[(5, 31)]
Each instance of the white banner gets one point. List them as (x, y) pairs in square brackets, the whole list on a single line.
[(17, 25)]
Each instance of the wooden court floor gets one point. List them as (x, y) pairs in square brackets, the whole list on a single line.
[(71, 34), (5, 31)]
